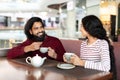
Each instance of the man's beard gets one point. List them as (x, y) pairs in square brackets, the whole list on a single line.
[(39, 38)]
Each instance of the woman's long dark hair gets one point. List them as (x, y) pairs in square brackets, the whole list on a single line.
[(94, 27), (29, 25)]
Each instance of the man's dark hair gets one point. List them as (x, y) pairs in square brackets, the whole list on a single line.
[(29, 25)]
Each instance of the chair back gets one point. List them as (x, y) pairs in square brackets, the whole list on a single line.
[(71, 46)]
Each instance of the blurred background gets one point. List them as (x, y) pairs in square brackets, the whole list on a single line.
[(62, 18)]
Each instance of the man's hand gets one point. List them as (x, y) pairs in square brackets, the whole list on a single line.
[(32, 47), (52, 53)]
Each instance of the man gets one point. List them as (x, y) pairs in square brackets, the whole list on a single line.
[(36, 38)]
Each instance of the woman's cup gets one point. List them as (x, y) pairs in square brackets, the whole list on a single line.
[(43, 49), (68, 55)]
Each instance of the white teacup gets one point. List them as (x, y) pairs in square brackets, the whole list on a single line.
[(43, 49), (67, 55)]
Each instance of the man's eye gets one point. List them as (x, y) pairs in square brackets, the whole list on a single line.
[(36, 28)]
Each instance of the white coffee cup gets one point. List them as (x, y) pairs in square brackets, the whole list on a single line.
[(43, 49), (67, 55)]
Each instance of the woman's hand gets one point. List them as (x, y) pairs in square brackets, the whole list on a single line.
[(76, 60), (52, 53), (65, 60)]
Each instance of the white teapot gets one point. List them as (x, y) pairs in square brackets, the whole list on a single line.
[(36, 61)]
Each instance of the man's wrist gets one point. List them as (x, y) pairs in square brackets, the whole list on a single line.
[(26, 49)]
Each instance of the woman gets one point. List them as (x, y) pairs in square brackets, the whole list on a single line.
[(95, 50)]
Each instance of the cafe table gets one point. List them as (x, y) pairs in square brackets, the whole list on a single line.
[(18, 69)]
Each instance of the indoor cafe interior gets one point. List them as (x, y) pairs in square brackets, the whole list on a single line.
[(62, 19)]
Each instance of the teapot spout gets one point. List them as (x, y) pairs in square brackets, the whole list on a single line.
[(44, 58)]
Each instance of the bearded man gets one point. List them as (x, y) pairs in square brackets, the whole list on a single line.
[(36, 38)]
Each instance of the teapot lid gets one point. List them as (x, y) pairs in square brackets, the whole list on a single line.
[(37, 56)]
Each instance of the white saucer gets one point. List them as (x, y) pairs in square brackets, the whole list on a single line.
[(65, 66)]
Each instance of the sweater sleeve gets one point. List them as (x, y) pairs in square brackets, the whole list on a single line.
[(60, 51), (104, 64), (17, 51)]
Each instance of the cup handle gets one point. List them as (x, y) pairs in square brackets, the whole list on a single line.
[(28, 58)]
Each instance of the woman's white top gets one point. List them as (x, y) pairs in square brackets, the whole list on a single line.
[(96, 55)]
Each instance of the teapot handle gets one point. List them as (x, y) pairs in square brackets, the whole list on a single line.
[(28, 60)]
